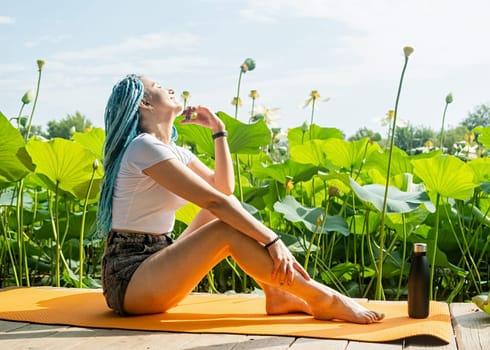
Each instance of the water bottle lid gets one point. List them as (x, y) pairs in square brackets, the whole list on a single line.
[(419, 248)]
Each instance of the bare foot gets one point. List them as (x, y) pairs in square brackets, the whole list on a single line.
[(344, 308), (279, 302)]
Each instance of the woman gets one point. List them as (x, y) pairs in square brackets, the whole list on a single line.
[(148, 177)]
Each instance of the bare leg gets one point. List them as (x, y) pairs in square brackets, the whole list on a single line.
[(168, 276), (277, 300)]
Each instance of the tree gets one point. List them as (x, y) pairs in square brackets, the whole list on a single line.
[(36, 130), (479, 117), (404, 138), (365, 132), (451, 136), (409, 138), (67, 126)]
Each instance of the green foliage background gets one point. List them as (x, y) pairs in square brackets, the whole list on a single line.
[(323, 198)]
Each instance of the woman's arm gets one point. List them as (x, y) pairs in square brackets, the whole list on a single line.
[(177, 178), (222, 178), (182, 181)]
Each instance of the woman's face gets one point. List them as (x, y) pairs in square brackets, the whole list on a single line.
[(159, 98)]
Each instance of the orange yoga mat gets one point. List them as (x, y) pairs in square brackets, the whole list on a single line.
[(212, 313)]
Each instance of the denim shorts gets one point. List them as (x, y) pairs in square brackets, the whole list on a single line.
[(124, 252)]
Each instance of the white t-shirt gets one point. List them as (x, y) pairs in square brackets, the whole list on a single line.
[(139, 203)]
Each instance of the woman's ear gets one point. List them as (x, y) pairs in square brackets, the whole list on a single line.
[(145, 105)]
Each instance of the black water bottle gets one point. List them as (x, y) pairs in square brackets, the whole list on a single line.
[(418, 283)]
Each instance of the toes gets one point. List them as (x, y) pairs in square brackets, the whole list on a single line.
[(377, 316)]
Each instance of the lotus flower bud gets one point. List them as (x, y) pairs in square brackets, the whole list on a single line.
[(304, 127), (289, 183), (28, 96), (40, 64), (95, 164), (319, 220), (315, 95), (407, 51), (254, 94), (449, 98), (185, 95), (248, 65), (237, 101), (333, 191)]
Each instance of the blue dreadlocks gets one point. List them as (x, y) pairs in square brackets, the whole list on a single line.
[(121, 127)]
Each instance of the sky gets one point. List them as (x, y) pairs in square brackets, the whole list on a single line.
[(350, 51)]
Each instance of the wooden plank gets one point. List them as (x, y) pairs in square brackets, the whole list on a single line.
[(87, 338), (30, 336), (211, 341), (80, 338), (394, 345), (471, 326), (264, 343), (10, 325), (318, 344)]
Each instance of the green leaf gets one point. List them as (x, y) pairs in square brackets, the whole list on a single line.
[(397, 201), (187, 213), (365, 223), (15, 163), (93, 140), (280, 172), (311, 152), (400, 162), (242, 138), (295, 212), (296, 136), (484, 135), (246, 138), (63, 162), (349, 154), (406, 222), (70, 224), (482, 302), (481, 168), (446, 175), (198, 136), (485, 187)]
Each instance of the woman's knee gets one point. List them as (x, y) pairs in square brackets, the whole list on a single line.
[(223, 232)]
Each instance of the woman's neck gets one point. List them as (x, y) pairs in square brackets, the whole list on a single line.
[(162, 132), (158, 124)]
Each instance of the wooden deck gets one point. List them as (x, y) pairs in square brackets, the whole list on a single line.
[(471, 332)]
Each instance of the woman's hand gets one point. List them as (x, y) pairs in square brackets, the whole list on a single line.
[(285, 264), (202, 115)]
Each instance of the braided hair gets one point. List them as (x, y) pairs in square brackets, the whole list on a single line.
[(121, 127)]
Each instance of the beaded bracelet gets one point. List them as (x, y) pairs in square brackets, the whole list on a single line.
[(219, 134), (272, 242)]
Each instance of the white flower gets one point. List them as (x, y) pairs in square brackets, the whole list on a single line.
[(270, 115), (388, 120), (314, 96)]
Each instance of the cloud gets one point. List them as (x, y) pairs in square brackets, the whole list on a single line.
[(7, 20), (11, 68), (159, 54), (255, 16), (446, 34), (133, 46), (46, 39)]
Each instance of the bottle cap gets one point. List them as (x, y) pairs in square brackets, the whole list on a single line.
[(419, 248)]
